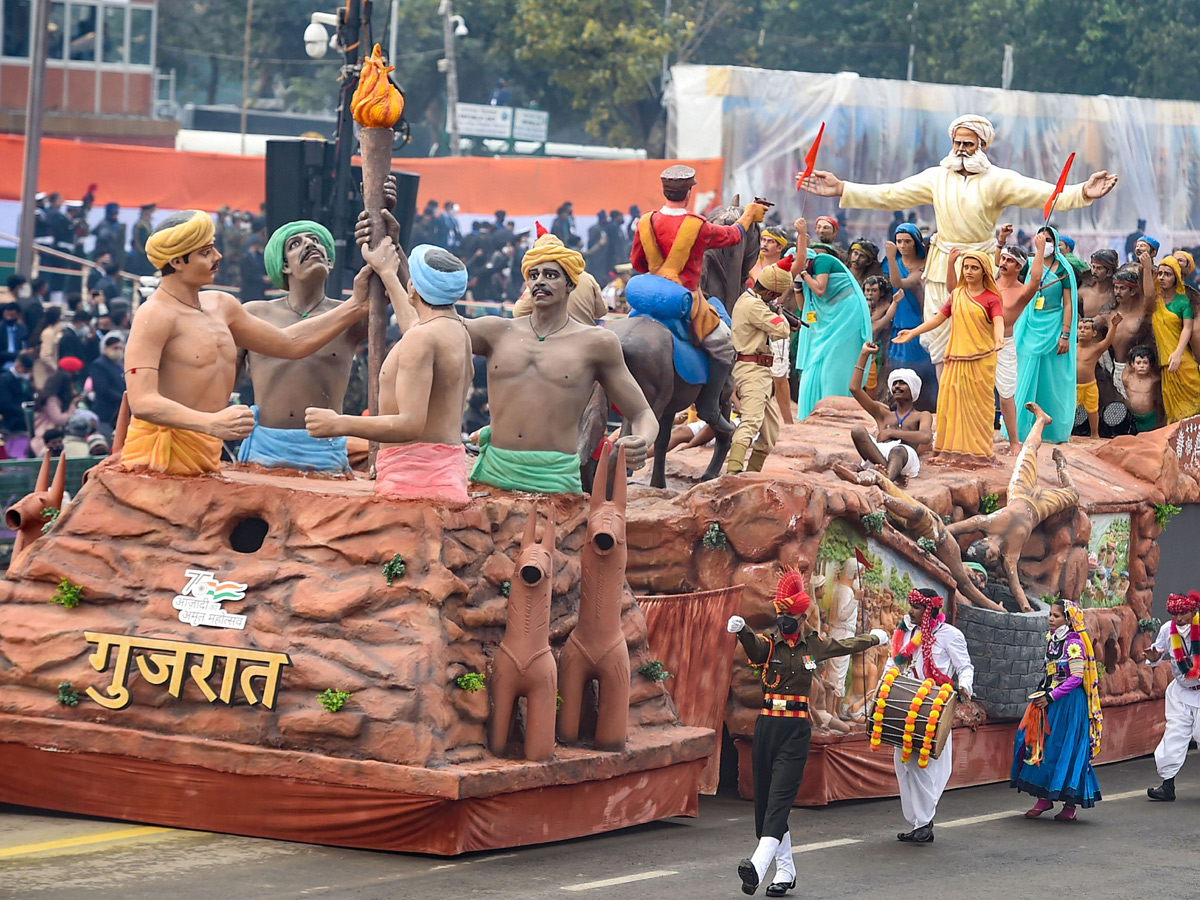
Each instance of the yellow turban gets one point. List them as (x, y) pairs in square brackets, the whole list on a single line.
[(549, 248), (178, 235)]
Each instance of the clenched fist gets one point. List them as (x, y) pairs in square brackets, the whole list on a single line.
[(232, 423), (735, 624)]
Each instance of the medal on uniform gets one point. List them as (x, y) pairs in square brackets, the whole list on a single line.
[(809, 663)]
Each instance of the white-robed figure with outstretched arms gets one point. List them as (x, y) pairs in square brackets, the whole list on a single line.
[(968, 195)]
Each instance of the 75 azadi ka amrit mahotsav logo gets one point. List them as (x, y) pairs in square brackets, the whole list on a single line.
[(199, 603)]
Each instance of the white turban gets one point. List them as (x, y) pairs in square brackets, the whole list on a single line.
[(909, 377), (978, 124)]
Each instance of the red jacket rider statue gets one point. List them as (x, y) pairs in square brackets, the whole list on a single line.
[(670, 243)]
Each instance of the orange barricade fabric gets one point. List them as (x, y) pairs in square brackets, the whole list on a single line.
[(176, 179), (688, 635)]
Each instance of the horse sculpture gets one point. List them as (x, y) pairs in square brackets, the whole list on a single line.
[(649, 355)]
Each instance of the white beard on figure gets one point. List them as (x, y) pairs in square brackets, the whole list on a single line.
[(974, 164)]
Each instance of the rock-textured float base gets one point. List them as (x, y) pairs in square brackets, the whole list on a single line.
[(846, 768), (203, 742)]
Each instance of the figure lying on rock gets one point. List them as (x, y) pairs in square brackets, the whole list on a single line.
[(180, 362), (915, 519), (1006, 530)]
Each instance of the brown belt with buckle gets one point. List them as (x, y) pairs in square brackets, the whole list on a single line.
[(789, 706), (762, 359)]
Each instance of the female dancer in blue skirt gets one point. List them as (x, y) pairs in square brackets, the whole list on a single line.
[(1060, 734)]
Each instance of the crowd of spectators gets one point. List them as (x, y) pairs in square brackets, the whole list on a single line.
[(62, 334), (492, 250)]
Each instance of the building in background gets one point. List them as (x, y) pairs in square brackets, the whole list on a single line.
[(100, 77)]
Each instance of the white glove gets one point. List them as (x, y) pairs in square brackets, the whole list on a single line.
[(880, 635), (735, 624)]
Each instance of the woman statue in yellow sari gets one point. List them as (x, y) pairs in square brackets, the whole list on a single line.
[(966, 408), (1171, 321)]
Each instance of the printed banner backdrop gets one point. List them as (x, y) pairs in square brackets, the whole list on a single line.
[(878, 598), (763, 121), (1108, 561)]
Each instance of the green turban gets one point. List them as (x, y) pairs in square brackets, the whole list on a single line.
[(273, 255)]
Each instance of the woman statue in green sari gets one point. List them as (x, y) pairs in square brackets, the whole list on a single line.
[(838, 322), (1044, 336)]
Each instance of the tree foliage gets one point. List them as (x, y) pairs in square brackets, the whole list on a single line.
[(597, 67)]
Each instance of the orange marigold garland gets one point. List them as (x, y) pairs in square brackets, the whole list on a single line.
[(880, 704), (935, 713), (910, 720)]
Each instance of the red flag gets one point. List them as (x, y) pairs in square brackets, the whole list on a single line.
[(1058, 188), (810, 158), (862, 560)]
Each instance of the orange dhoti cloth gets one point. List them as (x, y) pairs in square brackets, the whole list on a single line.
[(422, 472), (173, 451)]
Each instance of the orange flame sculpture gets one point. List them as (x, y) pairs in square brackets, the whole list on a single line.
[(376, 102)]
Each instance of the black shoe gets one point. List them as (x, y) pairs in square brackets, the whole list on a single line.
[(1165, 792), (708, 403), (749, 876), (922, 835), (779, 888)]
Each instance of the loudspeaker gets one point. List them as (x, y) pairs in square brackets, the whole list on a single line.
[(407, 184), (298, 183)]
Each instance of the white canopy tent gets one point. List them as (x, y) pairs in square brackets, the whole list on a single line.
[(763, 121)]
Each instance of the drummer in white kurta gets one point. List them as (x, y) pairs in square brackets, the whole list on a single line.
[(968, 195), (921, 789)]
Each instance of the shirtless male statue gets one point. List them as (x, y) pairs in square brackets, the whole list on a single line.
[(540, 370), (1134, 328), (1007, 529), (423, 383), (1096, 290), (299, 257), (1015, 295), (180, 361), (900, 430)]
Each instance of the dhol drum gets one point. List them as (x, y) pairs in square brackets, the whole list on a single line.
[(911, 714)]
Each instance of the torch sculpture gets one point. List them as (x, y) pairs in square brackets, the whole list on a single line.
[(376, 107)]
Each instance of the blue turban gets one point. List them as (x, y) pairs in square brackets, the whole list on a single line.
[(274, 254), (440, 285), (1146, 239), (915, 233), (1070, 242)]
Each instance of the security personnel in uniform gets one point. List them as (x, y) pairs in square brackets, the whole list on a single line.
[(788, 654), (757, 321)]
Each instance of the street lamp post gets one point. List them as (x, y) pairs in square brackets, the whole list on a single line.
[(246, 71), (33, 135), (448, 31)]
